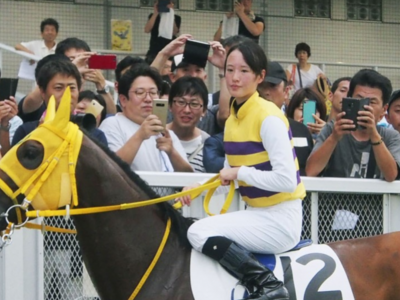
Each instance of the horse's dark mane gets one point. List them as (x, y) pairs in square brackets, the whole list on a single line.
[(180, 224)]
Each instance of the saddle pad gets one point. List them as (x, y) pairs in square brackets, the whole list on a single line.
[(311, 273)]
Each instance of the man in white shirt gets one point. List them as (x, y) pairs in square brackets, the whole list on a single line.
[(136, 135), (47, 45)]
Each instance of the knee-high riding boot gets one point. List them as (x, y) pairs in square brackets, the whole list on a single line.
[(258, 279)]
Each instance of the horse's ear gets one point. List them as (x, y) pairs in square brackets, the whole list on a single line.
[(64, 110), (51, 110)]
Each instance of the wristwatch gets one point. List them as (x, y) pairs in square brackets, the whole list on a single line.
[(5, 128), (106, 90)]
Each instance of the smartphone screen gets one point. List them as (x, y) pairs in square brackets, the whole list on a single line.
[(8, 87), (309, 109), (103, 62), (160, 109)]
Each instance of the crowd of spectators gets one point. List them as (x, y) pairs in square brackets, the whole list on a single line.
[(193, 138)]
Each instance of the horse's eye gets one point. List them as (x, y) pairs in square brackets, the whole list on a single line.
[(30, 154)]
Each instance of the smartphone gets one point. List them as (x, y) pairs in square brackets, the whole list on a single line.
[(163, 6), (94, 108), (352, 106), (103, 62), (309, 109), (160, 109), (8, 87), (196, 53)]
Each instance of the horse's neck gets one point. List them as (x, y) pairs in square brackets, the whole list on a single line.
[(117, 247)]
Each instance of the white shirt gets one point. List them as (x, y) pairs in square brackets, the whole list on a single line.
[(307, 77), (39, 48), (119, 129)]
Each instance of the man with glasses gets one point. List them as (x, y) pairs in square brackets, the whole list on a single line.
[(188, 100), (136, 135)]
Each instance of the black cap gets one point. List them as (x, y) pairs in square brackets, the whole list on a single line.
[(395, 96), (275, 73)]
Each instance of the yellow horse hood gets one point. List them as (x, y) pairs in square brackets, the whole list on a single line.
[(51, 184)]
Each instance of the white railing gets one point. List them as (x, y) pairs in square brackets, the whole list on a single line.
[(21, 264)]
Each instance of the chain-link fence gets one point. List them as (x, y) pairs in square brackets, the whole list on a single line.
[(343, 216)]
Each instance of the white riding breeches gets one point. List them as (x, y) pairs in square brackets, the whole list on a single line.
[(272, 229)]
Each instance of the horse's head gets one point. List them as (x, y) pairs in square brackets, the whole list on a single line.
[(40, 170)]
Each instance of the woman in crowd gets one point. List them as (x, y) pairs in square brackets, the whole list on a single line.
[(303, 74), (295, 109), (260, 156)]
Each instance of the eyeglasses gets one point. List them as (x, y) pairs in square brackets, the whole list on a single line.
[(193, 105), (142, 94)]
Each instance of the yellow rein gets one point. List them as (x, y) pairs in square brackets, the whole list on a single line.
[(210, 185), (72, 141), (153, 262)]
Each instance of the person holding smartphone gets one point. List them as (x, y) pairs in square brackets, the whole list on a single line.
[(261, 158), (313, 119), (137, 135), (343, 149), (157, 43)]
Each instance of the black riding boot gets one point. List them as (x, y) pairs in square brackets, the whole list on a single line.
[(258, 279)]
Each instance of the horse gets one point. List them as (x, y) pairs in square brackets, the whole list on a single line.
[(118, 246)]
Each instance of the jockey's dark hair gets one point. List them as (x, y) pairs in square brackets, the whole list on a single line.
[(253, 55)]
